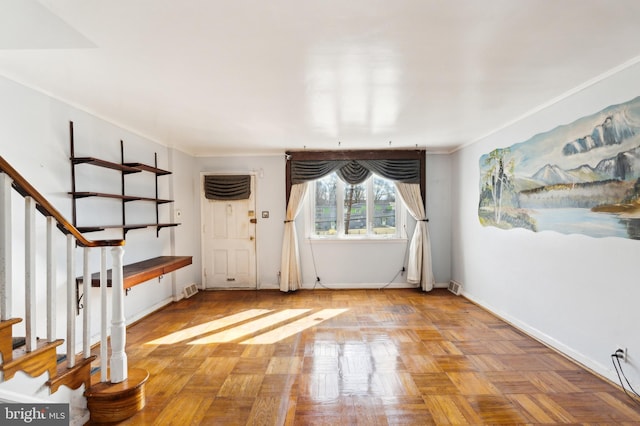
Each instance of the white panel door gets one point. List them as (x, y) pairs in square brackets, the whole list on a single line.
[(229, 245)]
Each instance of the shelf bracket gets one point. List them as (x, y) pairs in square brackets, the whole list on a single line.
[(79, 297)]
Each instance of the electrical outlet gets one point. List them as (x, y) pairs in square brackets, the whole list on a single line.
[(621, 353)]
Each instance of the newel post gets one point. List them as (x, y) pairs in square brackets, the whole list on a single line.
[(118, 362)]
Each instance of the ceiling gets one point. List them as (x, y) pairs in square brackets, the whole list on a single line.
[(214, 77)]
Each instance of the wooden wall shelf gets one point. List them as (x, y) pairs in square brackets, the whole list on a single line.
[(147, 168), (125, 198), (139, 272), (103, 163), (124, 169)]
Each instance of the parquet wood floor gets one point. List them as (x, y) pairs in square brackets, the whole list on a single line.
[(356, 357)]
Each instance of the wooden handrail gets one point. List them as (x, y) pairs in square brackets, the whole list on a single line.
[(25, 189)]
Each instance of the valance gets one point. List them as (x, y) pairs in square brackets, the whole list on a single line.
[(227, 187), (356, 171)]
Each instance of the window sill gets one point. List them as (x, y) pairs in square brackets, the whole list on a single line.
[(357, 240)]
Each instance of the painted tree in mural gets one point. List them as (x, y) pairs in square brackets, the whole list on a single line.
[(497, 179)]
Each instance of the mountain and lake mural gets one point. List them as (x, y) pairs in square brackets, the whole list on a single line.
[(580, 178)]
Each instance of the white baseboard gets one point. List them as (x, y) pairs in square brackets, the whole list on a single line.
[(271, 286), (347, 286), (355, 286), (544, 338), (149, 310)]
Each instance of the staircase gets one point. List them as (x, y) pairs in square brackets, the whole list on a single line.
[(37, 367)]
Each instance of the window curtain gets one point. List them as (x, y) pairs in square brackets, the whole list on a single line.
[(419, 267), (290, 276), (407, 173)]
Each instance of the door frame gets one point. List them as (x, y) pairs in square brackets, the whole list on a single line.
[(203, 199)]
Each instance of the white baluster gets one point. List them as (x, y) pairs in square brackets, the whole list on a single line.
[(30, 272), (71, 301), (103, 315), (118, 364), (51, 280), (5, 248), (86, 317)]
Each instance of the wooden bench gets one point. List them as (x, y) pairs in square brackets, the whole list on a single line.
[(139, 272)]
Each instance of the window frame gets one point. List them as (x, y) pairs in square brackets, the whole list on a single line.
[(400, 215)]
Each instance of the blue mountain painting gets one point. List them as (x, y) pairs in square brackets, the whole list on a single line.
[(582, 178)]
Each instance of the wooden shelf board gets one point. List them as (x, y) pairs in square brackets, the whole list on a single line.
[(137, 198), (85, 194), (106, 164), (129, 227), (103, 227), (145, 270), (147, 168), (154, 200), (137, 226), (85, 229), (166, 225), (125, 198)]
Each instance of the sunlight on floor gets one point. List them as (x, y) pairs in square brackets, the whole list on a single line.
[(208, 327), (269, 319), (290, 329), (250, 327)]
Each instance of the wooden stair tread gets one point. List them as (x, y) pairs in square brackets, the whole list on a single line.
[(9, 322), (6, 338), (63, 363), (34, 363), (72, 377), (41, 345)]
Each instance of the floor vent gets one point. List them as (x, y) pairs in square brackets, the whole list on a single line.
[(190, 290), (455, 287)]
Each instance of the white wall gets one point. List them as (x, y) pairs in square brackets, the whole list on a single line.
[(338, 264), (439, 213), (185, 239), (577, 293), (34, 139)]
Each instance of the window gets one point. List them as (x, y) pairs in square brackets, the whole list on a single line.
[(366, 210)]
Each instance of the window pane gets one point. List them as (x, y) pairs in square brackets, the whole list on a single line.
[(325, 216), (384, 204), (355, 209)]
